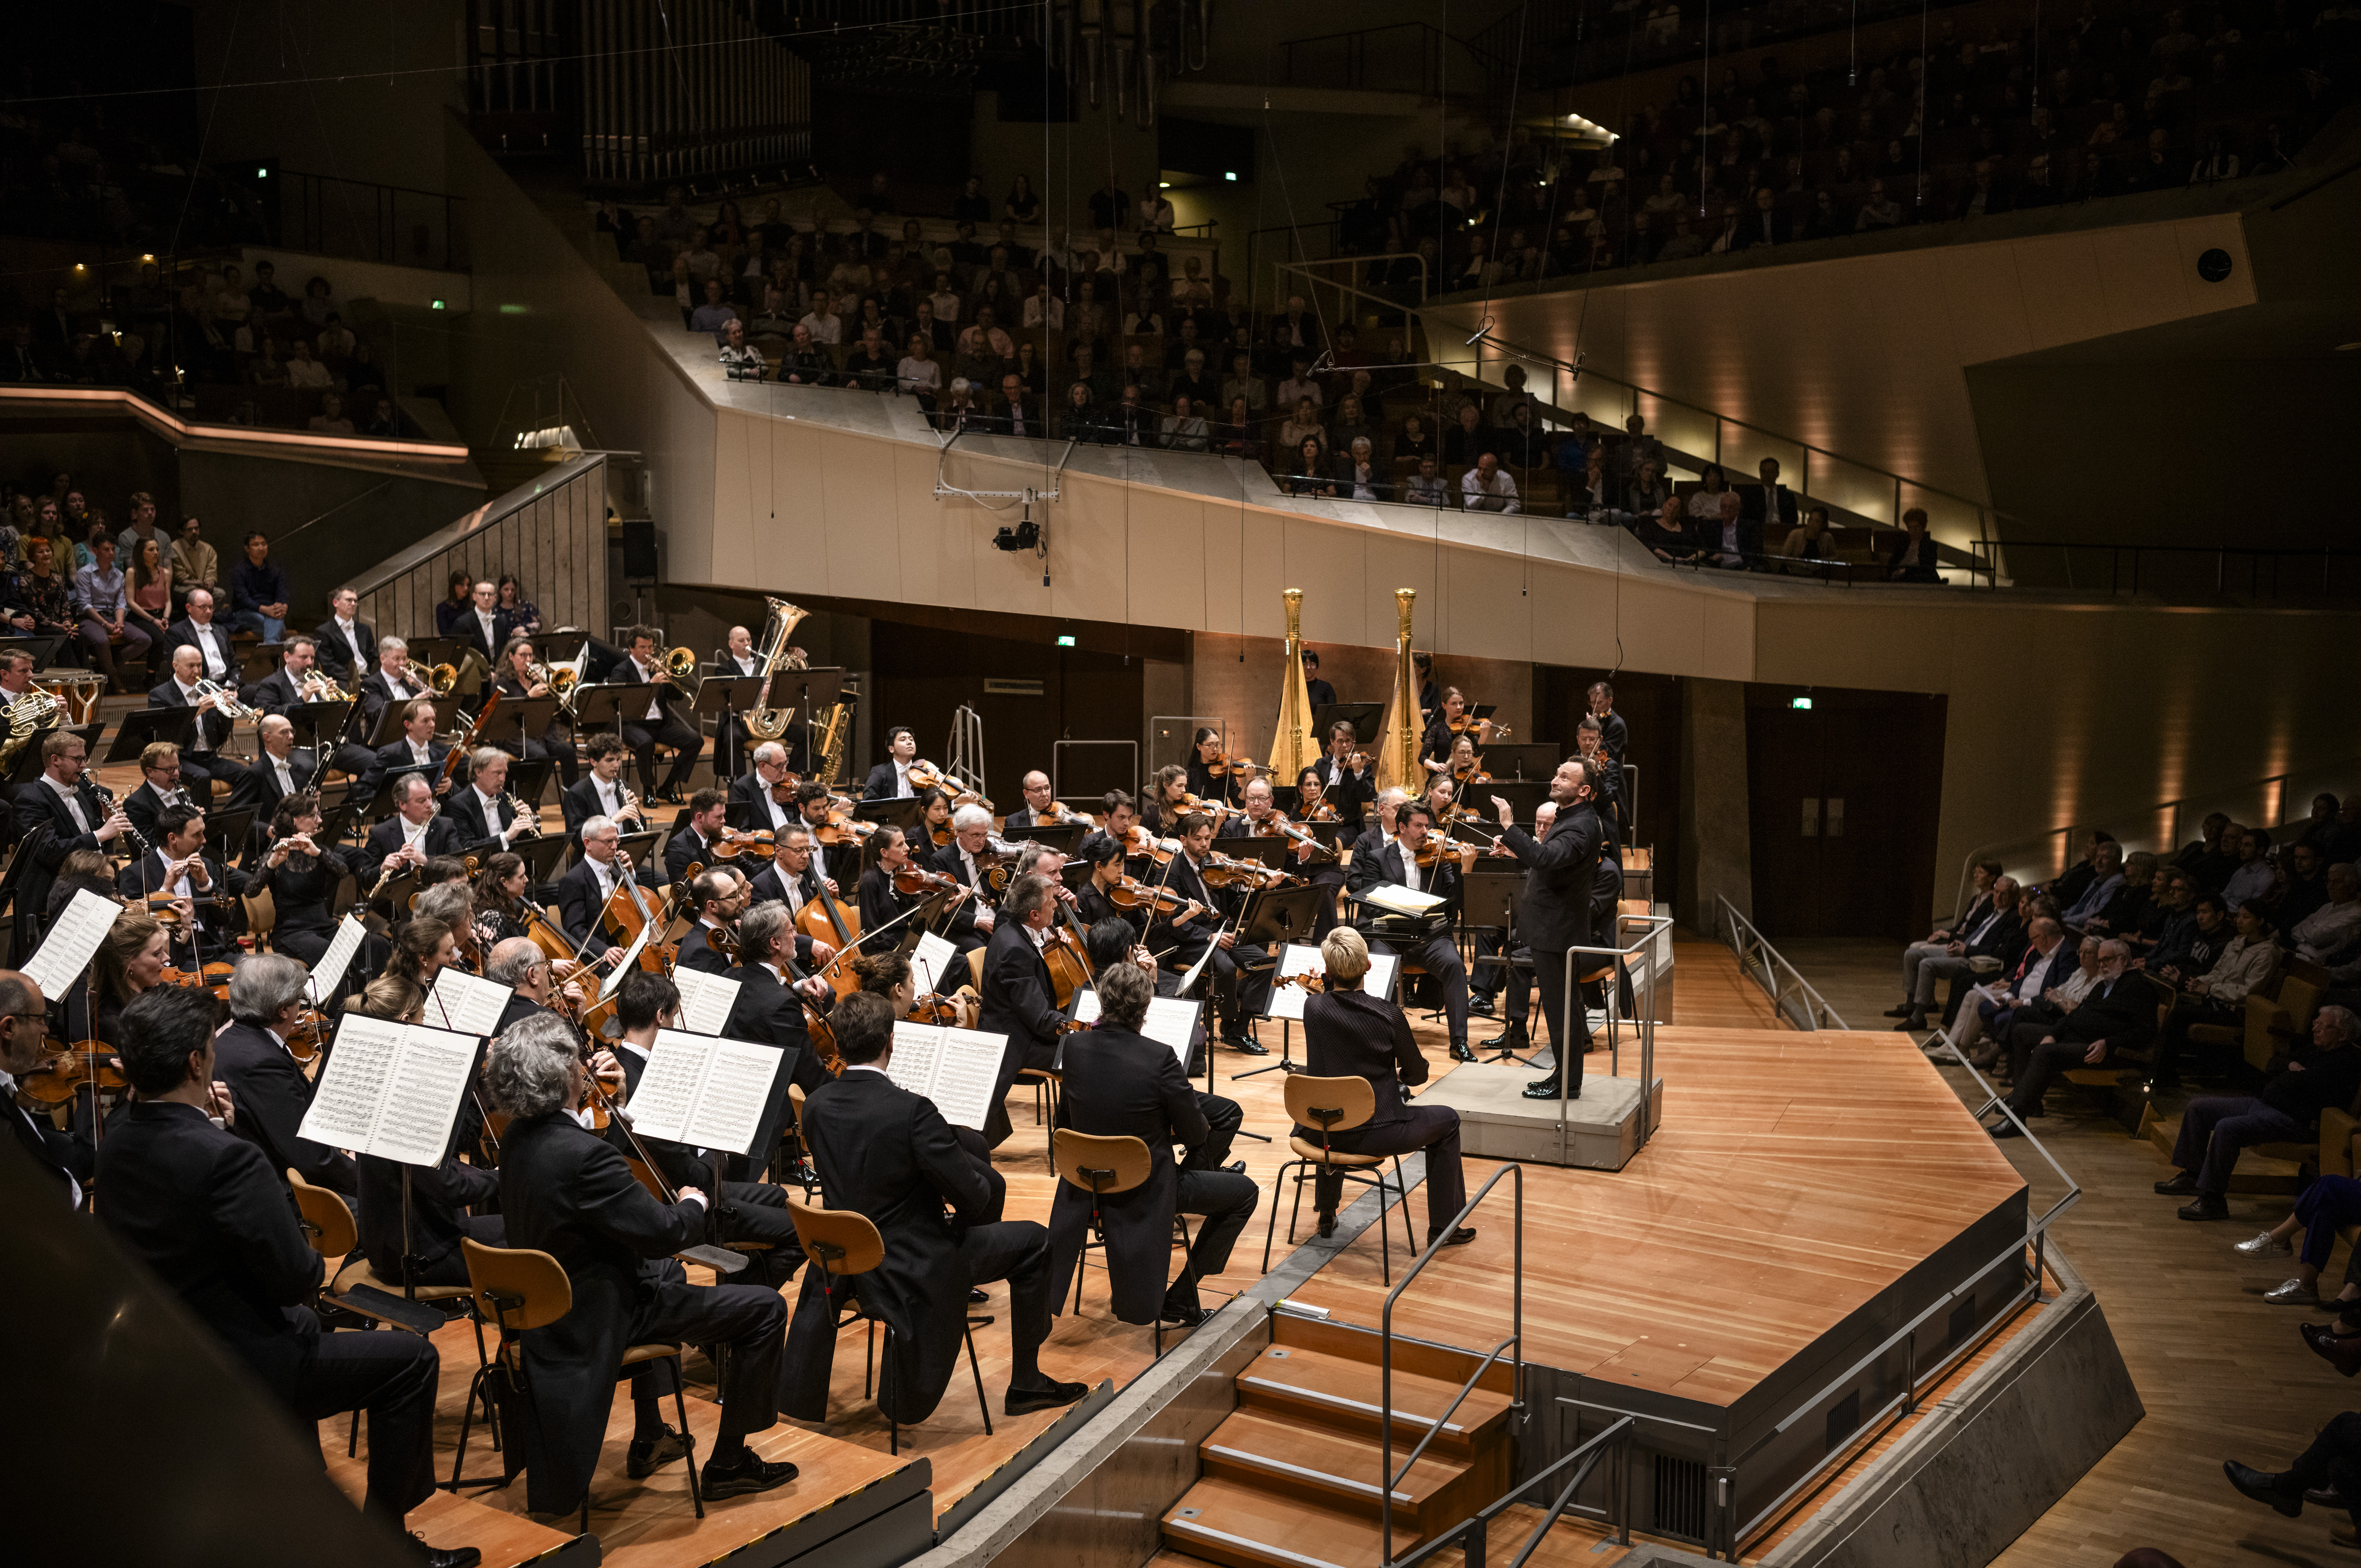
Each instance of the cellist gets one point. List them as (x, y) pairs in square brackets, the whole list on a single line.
[(790, 880), (583, 891)]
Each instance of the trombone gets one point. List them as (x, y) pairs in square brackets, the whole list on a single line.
[(561, 680), (679, 663), (443, 679)]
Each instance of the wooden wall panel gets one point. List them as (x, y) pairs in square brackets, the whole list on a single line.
[(554, 542)]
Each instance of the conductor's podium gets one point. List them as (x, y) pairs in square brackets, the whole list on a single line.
[(1599, 1132)]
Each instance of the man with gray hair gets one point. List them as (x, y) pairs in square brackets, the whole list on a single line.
[(963, 861), (754, 807), (1019, 1003), (2116, 1016), (583, 890), (481, 807), (1999, 935), (2303, 1080), (564, 1191), (266, 998)]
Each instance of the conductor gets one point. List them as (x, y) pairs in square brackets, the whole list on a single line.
[(1559, 872), (1347, 1033)]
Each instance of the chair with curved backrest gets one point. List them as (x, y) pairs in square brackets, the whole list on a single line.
[(1043, 1082), (1337, 1105), (844, 1243), (1103, 1167), (520, 1289), (261, 914)]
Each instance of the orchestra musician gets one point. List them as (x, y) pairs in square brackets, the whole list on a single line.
[(392, 681), (266, 1001), (1347, 1033), (282, 688), (887, 1154), (175, 867), (416, 751), (1434, 747), (565, 1191), (201, 757), (1117, 1082), (793, 880), (811, 810), (496, 905), (971, 919), (130, 962), (889, 975), (1348, 788), (1607, 783), (1556, 913), (1118, 813), (1166, 800), (1318, 693), (738, 661), (1095, 901), (659, 725), (344, 641), (302, 875), (695, 839), (515, 681), (1615, 736), (484, 628), (754, 803), (421, 948), (1311, 798), (1019, 1002), (887, 851), (1038, 800), (934, 830), (602, 792), (160, 787), (277, 773), (1241, 971), (720, 895), (69, 1158), (583, 890), (481, 807), (769, 1007), (1396, 864), (1205, 750), (890, 780), (414, 832), (198, 630), (200, 1206)]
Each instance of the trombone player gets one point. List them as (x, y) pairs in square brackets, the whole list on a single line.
[(659, 725)]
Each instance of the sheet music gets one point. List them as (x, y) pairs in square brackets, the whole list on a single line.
[(1086, 1009), (1286, 1001), (328, 974), (930, 960), (390, 1090), (462, 1002), (74, 937), (666, 1095), (1174, 1022), (703, 1091), (1401, 900), (916, 1047), (967, 1076), (704, 999)]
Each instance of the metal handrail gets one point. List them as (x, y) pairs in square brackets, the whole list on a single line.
[(1387, 1476), (1642, 982), (1425, 279), (1468, 1533), (1752, 942), (2326, 555)]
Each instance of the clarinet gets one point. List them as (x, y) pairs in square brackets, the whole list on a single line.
[(106, 799)]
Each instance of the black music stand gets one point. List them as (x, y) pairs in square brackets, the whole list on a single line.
[(541, 857), (259, 661), (1513, 760), (398, 892), (1524, 797), (1363, 717), (529, 782), (39, 647), (229, 826), (1060, 836), (143, 726), (639, 846), (723, 698), (521, 719), (814, 689), (318, 719), (336, 821), (1276, 918), (1489, 899), (902, 814), (599, 708), (1274, 853), (28, 763)]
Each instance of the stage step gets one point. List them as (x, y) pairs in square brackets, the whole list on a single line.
[(1318, 1387), (1222, 1521), (1323, 1465)]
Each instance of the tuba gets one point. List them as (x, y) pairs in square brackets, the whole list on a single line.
[(1292, 749), (765, 722), (1398, 746)]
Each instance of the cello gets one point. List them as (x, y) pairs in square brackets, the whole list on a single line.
[(823, 919)]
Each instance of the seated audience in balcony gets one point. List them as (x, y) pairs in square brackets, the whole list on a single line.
[(1079, 420), (105, 621), (917, 373), (1722, 533), (741, 361), (1426, 488), (2303, 1081), (330, 418), (195, 564), (266, 368), (715, 311), (1185, 429), (1912, 558), (1300, 386), (1488, 486), (1466, 440), (1415, 440), (1303, 427), (1358, 475), (2115, 1018), (2328, 934), (337, 340), (258, 590), (1310, 476), (303, 371), (869, 367)]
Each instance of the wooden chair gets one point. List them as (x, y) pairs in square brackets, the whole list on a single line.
[(845, 1243), (520, 1289), (1103, 1167), (1043, 1082), (262, 914), (1337, 1105)]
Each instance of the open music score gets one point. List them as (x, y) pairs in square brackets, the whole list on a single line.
[(704, 999), (930, 960), (1170, 1021), (390, 1090), (73, 936), (1399, 899), (1286, 1001), (328, 974), (464, 1003), (958, 1070), (705, 1091)]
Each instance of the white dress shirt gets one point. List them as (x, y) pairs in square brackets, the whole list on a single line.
[(901, 780), (642, 674), (489, 805), (283, 767), (189, 695), (351, 634), (209, 644), (73, 803)]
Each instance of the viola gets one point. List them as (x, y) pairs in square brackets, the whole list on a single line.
[(1221, 871), (1323, 812), (1130, 892), (1483, 727), (940, 833), (1061, 815), (822, 1035), (842, 827), (1311, 982), (910, 882), (925, 775), (213, 978)]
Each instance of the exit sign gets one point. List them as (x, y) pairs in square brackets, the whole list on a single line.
[(1802, 704)]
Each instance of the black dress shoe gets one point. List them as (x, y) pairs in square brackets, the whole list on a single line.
[(2003, 1129), (753, 1473), (2206, 1206), (1911, 1025), (649, 1454), (1459, 1237), (1187, 1317), (1479, 1004), (1901, 1012), (2341, 1351), (1459, 1051), (1246, 1044), (443, 1556), (1512, 1038), (1022, 1401), (1327, 1222), (1547, 1089), (2181, 1184), (1236, 1166), (976, 1294), (2262, 1487)]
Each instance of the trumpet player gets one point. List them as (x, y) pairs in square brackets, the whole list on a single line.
[(392, 681), (520, 675), (198, 629), (217, 710), (642, 665), (483, 810), (485, 628)]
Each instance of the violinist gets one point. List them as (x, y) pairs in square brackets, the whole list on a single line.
[(1039, 806), (1397, 863), (754, 805), (83, 870), (812, 807), (482, 808), (772, 990), (1167, 801), (601, 792), (1241, 972), (1310, 806), (497, 902), (720, 895), (971, 920), (887, 851), (790, 880), (747, 1211), (1204, 753), (1119, 812), (421, 946), (583, 890), (531, 979), (1347, 776), (659, 725), (266, 1004), (693, 842), (1466, 767), (201, 1207), (64, 1158), (1607, 783), (1263, 819), (131, 959), (302, 875), (1095, 903), (890, 780), (177, 869), (1614, 735), (516, 683), (1442, 726), (414, 833), (934, 823), (1019, 1002)]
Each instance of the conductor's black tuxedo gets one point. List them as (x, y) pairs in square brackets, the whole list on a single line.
[(1555, 914)]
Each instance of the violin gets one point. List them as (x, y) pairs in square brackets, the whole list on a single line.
[(1220, 871), (1216, 809), (936, 1008), (86, 1064), (1483, 726), (1138, 842), (925, 775), (1322, 811), (1060, 815), (910, 882), (940, 833), (1245, 768), (1311, 982), (760, 846), (213, 977), (1130, 892), (1275, 825), (842, 827)]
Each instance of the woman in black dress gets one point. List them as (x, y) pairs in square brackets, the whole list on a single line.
[(302, 877), (130, 958), (887, 851), (515, 683), (1203, 783), (1162, 813), (934, 822), (498, 904)]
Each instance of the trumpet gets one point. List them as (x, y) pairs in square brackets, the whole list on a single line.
[(443, 679), (318, 686), (225, 703)]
